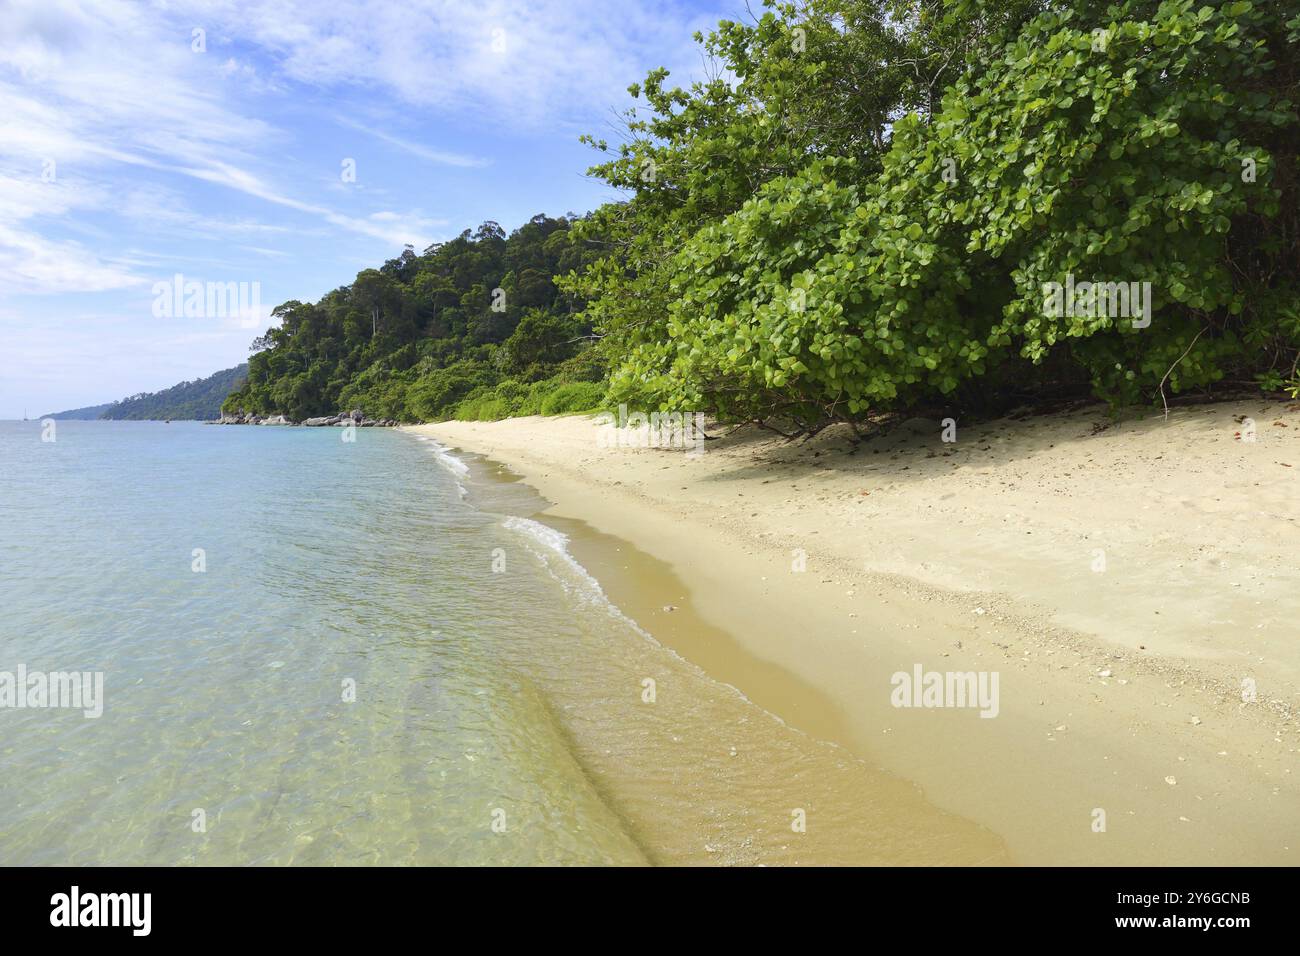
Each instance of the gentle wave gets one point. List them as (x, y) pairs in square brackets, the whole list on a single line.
[(704, 724), (450, 462), (556, 543)]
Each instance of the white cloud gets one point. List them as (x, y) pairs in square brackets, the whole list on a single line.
[(31, 263), (441, 157), (195, 157), (531, 63), (88, 85)]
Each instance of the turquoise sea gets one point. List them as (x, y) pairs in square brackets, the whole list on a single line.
[(323, 652)]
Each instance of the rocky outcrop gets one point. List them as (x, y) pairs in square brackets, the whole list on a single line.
[(355, 418)]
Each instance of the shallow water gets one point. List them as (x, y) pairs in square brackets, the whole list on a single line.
[(505, 711)]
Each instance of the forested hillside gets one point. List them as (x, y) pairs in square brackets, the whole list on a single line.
[(874, 205), (199, 400), (89, 413), (477, 321)]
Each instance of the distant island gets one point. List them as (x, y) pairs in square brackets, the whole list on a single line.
[(199, 400)]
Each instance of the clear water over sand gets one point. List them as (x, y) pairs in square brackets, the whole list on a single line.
[(501, 710)]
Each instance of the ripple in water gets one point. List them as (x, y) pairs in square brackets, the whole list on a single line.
[(371, 670)]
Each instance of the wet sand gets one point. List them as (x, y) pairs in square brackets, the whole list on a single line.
[(1123, 579), (698, 774)]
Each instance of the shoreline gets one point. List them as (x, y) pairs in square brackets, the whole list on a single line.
[(1091, 717), (712, 777)]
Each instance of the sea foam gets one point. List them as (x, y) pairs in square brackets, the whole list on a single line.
[(548, 544), (450, 462)]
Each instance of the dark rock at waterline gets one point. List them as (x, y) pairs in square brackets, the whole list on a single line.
[(355, 418)]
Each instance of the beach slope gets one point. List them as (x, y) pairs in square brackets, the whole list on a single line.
[(1131, 583)]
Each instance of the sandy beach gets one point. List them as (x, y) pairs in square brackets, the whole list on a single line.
[(1131, 583)]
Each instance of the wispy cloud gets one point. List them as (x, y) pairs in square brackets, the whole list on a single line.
[(532, 63), (438, 156), (125, 154), (85, 87)]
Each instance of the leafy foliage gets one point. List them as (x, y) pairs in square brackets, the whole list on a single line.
[(1103, 142), (864, 207)]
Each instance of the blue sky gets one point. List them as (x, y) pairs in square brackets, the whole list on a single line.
[(128, 156)]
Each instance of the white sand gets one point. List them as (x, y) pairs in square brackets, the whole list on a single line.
[(987, 554)]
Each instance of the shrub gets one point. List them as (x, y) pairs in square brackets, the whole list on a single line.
[(1136, 142), (572, 397), (436, 393)]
